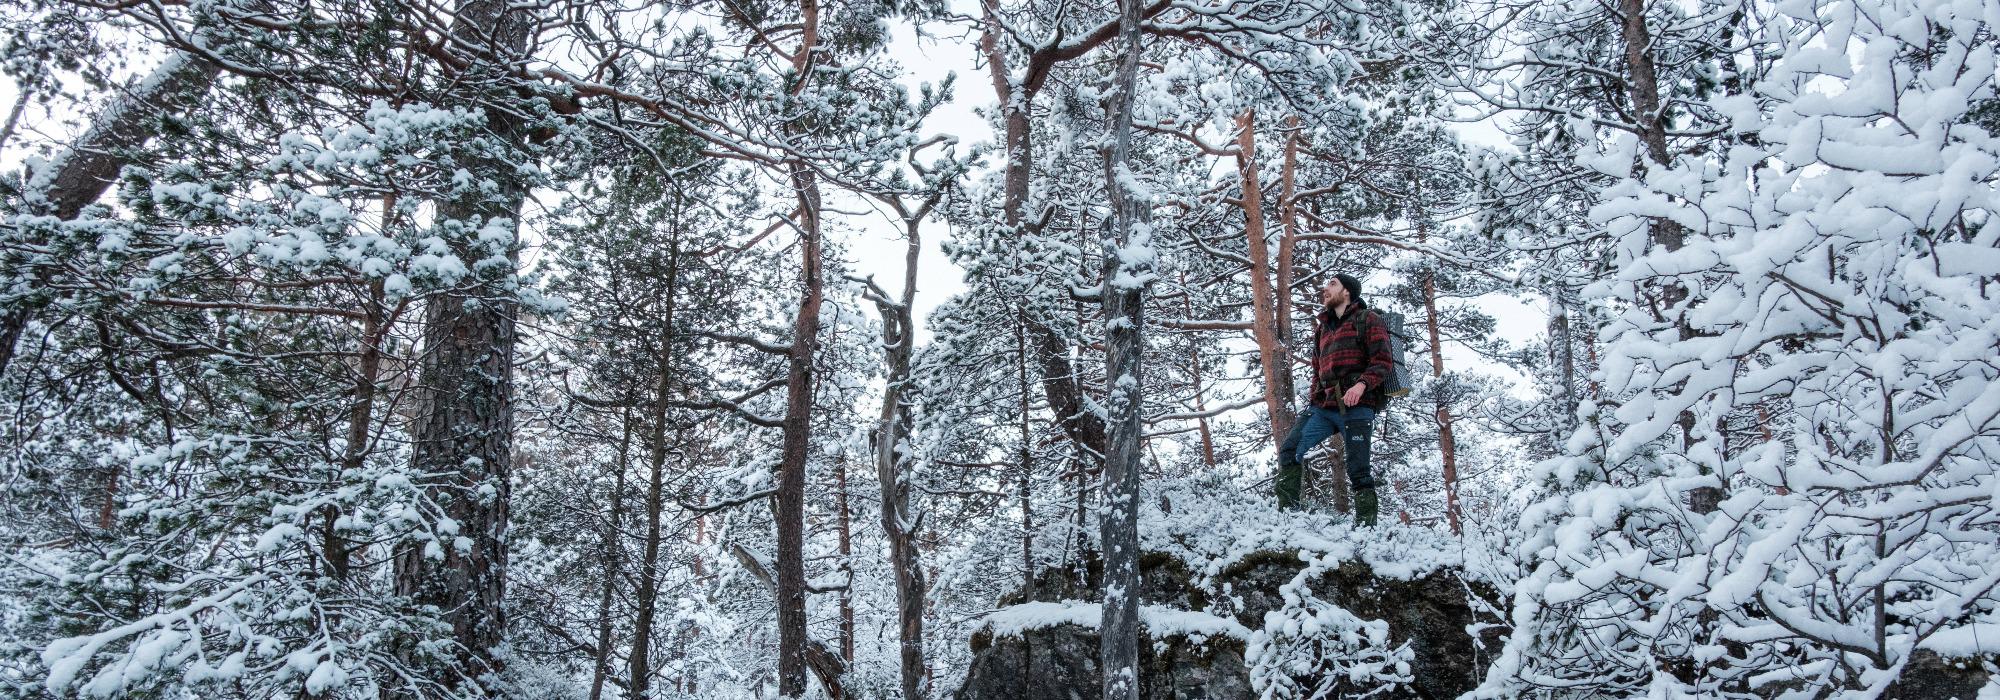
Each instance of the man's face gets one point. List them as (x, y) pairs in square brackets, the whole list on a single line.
[(1332, 293)]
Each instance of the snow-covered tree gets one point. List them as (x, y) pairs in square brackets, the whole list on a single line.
[(1826, 371)]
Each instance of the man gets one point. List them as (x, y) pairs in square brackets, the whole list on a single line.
[(1351, 363)]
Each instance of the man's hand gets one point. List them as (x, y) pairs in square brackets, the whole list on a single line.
[(1353, 395)]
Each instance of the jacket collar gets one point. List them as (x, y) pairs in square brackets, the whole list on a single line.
[(1326, 312)]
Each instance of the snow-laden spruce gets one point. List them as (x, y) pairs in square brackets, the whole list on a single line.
[(1787, 486)]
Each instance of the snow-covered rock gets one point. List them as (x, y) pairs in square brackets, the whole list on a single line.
[(1242, 601)]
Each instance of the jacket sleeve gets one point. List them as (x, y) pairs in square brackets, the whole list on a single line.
[(1381, 357)]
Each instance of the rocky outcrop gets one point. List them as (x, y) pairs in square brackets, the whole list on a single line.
[(1223, 635), (1060, 661)]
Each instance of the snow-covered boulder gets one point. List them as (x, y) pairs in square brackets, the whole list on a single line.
[(1242, 601)]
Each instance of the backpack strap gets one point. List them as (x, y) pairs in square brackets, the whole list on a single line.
[(1374, 320)]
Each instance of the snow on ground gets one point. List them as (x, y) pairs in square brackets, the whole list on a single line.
[(1159, 620), (1212, 523)]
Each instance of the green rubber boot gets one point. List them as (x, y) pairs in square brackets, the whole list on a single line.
[(1366, 503), (1291, 476)]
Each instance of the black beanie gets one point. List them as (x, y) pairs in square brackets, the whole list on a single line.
[(1353, 286)]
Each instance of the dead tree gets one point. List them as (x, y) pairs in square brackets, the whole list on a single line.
[(892, 449), (1127, 268)]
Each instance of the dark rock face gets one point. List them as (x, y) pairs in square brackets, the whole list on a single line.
[(1929, 676), (1431, 613), (1060, 663)]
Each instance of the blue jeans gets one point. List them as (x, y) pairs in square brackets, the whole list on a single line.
[(1315, 426)]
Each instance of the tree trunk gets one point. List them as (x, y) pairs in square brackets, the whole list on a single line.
[(788, 506), (81, 174), (21, 100), (374, 333), (1194, 374), (892, 460), (1271, 356), (1643, 87), (844, 515), (1059, 384), (1127, 270), (1566, 356), (462, 441), (465, 436), (790, 502), (368, 370), (646, 601), (613, 531), (1287, 241), (1026, 456), (1447, 445)]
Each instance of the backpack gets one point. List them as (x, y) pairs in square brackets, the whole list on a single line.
[(1399, 380)]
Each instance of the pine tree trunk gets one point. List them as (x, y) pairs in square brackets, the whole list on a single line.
[(645, 601), (1643, 88), (1026, 456), (788, 506), (1447, 444), (1264, 304), (790, 502), (374, 333), (844, 526), (462, 439), (1200, 400), (21, 101), (1124, 289), (80, 176), (1287, 242), (611, 546), (1566, 355)]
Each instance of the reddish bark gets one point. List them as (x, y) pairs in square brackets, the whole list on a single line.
[(789, 505), (1271, 356)]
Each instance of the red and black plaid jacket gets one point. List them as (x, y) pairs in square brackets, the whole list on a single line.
[(1351, 348)]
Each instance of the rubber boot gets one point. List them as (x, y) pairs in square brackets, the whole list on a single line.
[(1291, 472), (1366, 503), (1291, 476)]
